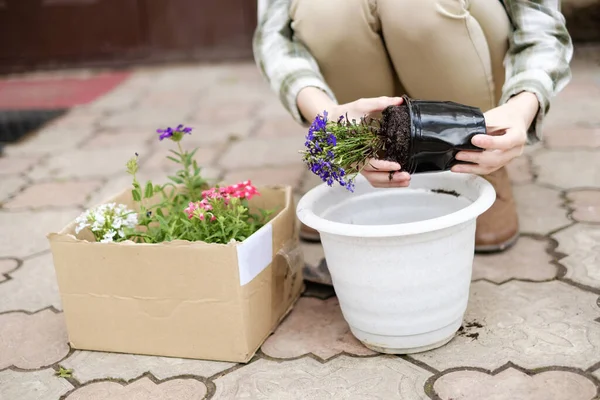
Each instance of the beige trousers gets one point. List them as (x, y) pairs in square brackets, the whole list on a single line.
[(428, 49)]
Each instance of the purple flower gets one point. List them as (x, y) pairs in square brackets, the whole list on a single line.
[(320, 155), (174, 134), (165, 133)]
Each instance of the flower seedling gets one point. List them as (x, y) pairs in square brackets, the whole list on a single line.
[(183, 209), (338, 150)]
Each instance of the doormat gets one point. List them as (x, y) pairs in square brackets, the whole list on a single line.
[(28, 104)]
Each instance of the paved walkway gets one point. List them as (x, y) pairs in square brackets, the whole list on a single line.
[(532, 331)]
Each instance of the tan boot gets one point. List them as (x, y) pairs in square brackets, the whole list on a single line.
[(308, 234), (498, 228)]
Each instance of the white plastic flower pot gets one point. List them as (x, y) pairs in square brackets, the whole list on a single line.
[(401, 259)]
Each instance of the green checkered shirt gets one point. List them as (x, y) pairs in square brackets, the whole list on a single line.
[(537, 61)]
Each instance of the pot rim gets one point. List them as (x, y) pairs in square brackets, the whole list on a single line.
[(487, 197)]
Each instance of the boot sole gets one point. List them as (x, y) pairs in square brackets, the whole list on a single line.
[(497, 248)]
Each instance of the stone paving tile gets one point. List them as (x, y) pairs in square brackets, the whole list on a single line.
[(568, 169), (11, 185), (533, 325), (38, 385), (146, 118), (10, 165), (574, 113), (50, 140), (341, 378), (53, 194), (526, 260), (578, 136), (285, 175), (597, 374), (519, 171), (121, 137), (166, 98), (32, 341), (88, 366), (6, 266), (282, 126), (177, 389), (85, 164), (79, 117), (314, 326), (536, 217), (24, 233), (33, 286), (582, 244), (512, 384), (586, 205), (210, 133), (123, 97), (256, 153), (215, 112)]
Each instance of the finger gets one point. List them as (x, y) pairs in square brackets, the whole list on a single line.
[(376, 104), (384, 177), (472, 169), (488, 158), (511, 138), (391, 185), (381, 165)]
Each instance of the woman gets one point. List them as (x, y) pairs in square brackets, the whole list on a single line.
[(508, 58)]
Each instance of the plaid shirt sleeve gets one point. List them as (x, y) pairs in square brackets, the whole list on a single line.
[(284, 62), (540, 50), (539, 54)]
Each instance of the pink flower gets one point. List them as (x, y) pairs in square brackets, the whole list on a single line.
[(190, 209)]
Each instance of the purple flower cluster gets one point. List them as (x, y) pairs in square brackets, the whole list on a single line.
[(320, 154), (176, 133)]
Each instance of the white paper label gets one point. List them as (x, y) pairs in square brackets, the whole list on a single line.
[(255, 254)]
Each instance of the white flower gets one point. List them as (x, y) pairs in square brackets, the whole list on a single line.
[(117, 222), (107, 221)]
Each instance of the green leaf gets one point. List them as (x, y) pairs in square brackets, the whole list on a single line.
[(64, 373), (176, 179), (159, 212), (149, 190), (174, 152), (136, 195), (174, 159)]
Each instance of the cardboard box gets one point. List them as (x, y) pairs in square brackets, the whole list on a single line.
[(181, 299)]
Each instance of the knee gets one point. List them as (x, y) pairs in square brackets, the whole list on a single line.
[(420, 18), (328, 25)]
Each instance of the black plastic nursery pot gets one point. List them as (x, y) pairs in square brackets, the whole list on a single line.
[(425, 136)]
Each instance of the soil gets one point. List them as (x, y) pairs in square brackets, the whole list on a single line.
[(395, 126), (448, 192), (467, 329)]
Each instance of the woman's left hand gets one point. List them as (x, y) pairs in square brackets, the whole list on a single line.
[(506, 137)]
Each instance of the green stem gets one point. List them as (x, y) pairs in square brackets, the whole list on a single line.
[(186, 164)]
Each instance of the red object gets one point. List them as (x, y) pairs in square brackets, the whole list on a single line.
[(48, 94)]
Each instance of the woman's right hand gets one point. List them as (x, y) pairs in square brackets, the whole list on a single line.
[(313, 101)]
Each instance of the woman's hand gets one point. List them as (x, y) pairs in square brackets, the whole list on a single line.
[(379, 173), (507, 127)]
